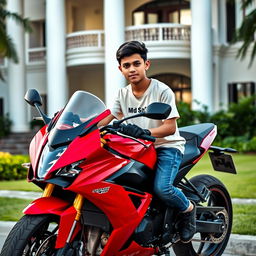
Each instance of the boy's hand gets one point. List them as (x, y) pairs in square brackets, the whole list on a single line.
[(133, 130)]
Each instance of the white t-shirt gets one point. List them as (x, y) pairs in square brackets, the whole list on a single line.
[(126, 104)]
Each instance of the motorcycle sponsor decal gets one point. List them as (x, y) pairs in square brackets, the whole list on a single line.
[(101, 190)]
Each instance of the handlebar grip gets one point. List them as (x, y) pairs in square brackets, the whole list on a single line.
[(148, 137)]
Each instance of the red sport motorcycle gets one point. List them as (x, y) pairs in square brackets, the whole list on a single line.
[(97, 188)]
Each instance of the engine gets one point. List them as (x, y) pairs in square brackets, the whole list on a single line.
[(150, 228)]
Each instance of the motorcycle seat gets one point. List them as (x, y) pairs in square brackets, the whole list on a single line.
[(194, 135)]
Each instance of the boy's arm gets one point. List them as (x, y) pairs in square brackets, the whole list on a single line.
[(167, 128), (106, 120)]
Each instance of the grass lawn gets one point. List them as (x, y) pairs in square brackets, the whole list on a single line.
[(244, 215), (11, 208), (242, 185), (22, 185), (244, 219)]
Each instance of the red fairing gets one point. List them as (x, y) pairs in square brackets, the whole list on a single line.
[(207, 142), (99, 163), (36, 146), (120, 210), (59, 207), (133, 149), (47, 205)]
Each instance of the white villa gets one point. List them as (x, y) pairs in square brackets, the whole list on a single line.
[(73, 45)]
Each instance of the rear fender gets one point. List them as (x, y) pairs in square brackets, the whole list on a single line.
[(61, 208)]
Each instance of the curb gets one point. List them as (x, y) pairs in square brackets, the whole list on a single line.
[(238, 245), (20, 194), (241, 245)]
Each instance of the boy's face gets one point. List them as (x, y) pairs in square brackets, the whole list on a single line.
[(134, 68)]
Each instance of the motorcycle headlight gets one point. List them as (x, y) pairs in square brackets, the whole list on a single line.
[(70, 170)]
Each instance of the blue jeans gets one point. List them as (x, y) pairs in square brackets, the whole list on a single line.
[(168, 162)]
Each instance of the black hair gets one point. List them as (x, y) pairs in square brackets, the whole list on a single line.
[(129, 48)]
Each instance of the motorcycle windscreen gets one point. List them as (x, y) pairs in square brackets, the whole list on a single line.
[(81, 109)]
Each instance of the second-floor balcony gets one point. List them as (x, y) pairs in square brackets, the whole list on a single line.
[(164, 40)]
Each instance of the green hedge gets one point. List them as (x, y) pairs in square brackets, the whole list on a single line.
[(10, 166), (5, 125), (236, 125)]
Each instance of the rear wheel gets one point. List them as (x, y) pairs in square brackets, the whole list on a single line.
[(210, 243), (32, 235)]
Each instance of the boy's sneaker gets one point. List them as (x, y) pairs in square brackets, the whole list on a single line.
[(187, 225)]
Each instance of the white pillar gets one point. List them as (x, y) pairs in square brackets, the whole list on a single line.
[(16, 72), (56, 61), (201, 54), (114, 37)]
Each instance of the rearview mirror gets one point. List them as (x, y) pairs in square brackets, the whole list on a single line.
[(158, 110), (32, 97)]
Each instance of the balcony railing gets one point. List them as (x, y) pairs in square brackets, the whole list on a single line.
[(94, 38), (149, 32), (164, 32), (36, 55), (158, 32)]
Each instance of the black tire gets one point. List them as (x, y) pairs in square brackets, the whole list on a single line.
[(29, 233), (219, 197)]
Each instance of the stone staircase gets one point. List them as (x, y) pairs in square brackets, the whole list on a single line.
[(17, 143)]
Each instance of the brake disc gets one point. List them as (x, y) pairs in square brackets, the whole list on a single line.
[(219, 237)]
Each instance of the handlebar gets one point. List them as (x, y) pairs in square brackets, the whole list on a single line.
[(114, 130), (148, 137)]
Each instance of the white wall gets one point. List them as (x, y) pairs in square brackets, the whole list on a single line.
[(34, 9), (234, 70), (36, 78), (178, 66), (84, 15), (88, 78)]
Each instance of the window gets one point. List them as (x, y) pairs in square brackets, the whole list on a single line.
[(231, 19), (180, 84), (139, 18), (185, 17), (238, 90), (37, 37), (1, 107), (161, 11), (152, 18), (174, 17)]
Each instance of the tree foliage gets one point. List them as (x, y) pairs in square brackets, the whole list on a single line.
[(247, 32), (7, 46)]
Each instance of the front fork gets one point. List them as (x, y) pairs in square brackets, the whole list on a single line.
[(78, 203)]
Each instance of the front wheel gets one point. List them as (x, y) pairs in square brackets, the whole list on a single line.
[(32, 235), (210, 244)]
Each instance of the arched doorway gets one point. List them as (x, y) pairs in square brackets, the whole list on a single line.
[(163, 11), (180, 84)]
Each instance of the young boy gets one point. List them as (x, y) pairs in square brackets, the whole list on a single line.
[(133, 63)]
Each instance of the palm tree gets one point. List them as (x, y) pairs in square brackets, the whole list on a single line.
[(7, 47), (246, 32)]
